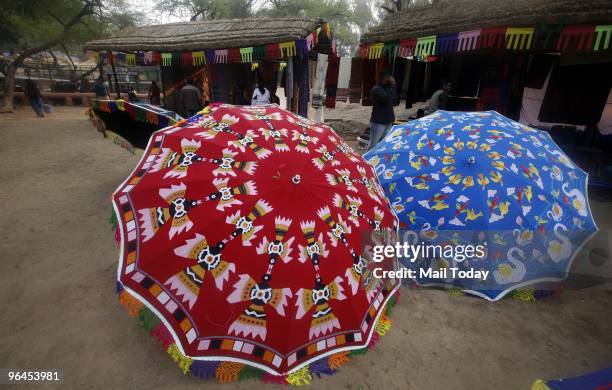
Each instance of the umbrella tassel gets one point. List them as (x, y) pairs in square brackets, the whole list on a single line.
[(203, 369), (147, 319), (374, 340), (131, 304), (113, 220), (228, 372), (274, 379), (183, 362), (161, 333), (524, 295), (338, 359), (383, 325), (321, 366), (360, 351), (301, 377), (249, 372)]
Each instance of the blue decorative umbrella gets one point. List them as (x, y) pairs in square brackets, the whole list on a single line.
[(495, 205)]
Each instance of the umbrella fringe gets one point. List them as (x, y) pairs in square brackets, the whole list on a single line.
[(183, 362), (118, 287), (113, 220), (131, 304), (524, 295), (204, 369), (227, 372), (161, 333), (147, 319), (301, 377)]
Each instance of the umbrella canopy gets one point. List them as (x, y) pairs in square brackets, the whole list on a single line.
[(479, 180), (248, 232)]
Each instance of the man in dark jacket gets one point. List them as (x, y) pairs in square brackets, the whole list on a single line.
[(382, 118)]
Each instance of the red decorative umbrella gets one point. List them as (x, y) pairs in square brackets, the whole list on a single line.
[(248, 231)]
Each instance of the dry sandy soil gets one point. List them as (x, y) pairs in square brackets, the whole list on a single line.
[(59, 307)]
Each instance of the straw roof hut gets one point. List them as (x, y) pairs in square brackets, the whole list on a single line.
[(452, 16), (222, 33)]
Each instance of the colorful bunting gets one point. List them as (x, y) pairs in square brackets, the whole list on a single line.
[(426, 46), (407, 47), (246, 54), (519, 38), (375, 51), (603, 32), (468, 40), (166, 59), (221, 56), (198, 58), (287, 49), (447, 44)]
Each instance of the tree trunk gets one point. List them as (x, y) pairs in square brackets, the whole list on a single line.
[(10, 88)]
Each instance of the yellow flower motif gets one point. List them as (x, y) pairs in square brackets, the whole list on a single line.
[(498, 164), (449, 150), (472, 145), (448, 170), (468, 182), (578, 205), (496, 177), (439, 205), (398, 208), (494, 155), (555, 193), (472, 215), (485, 147), (483, 180), (448, 160), (459, 145), (503, 208), (505, 270), (455, 179), (528, 194)]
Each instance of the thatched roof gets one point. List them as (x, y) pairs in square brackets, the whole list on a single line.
[(454, 16), (214, 34)]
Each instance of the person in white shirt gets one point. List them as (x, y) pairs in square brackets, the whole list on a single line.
[(261, 95)]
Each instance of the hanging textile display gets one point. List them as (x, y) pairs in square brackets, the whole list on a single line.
[(519, 38), (198, 58), (233, 55), (259, 53), (287, 49), (468, 40), (390, 49), (446, 44), (375, 50), (581, 37), (246, 54), (148, 57), (426, 46), (301, 47), (407, 47), (130, 59), (289, 82), (166, 59), (318, 91), (602, 41), (221, 56), (356, 80), (344, 75), (272, 52), (492, 38), (302, 71), (176, 58), (331, 81), (187, 58), (210, 56), (121, 58), (369, 80)]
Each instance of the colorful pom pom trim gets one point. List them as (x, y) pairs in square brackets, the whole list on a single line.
[(228, 372)]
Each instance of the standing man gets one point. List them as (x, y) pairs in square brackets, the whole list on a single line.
[(100, 89), (382, 118), (191, 101), (439, 99)]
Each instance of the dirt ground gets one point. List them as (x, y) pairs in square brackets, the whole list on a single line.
[(60, 311)]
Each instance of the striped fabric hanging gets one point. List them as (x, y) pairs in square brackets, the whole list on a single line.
[(176, 58), (148, 57), (287, 49), (519, 38), (492, 38), (580, 35), (407, 47), (186, 58), (210, 56), (272, 51), (259, 53), (130, 59), (111, 58), (391, 49), (198, 58), (121, 58), (233, 55), (426, 46), (301, 47), (446, 44), (310, 41), (221, 56), (140, 58), (166, 59), (468, 40), (156, 58), (96, 56), (246, 54), (603, 32), (375, 51)]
